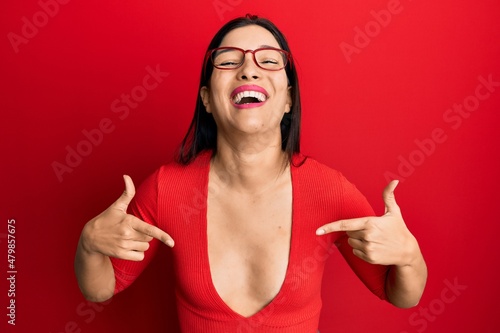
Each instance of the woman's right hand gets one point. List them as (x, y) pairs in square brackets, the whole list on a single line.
[(114, 233)]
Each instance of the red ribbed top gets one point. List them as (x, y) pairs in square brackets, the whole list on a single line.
[(174, 198)]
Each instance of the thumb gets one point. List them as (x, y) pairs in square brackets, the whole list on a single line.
[(389, 198), (127, 195)]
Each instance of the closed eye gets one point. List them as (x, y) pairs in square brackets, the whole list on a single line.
[(228, 63), (269, 61)]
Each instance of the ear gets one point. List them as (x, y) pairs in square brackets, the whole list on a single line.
[(205, 97), (288, 105)]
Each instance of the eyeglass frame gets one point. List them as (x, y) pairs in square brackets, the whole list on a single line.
[(208, 55)]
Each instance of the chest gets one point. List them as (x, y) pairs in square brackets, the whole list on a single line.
[(249, 239)]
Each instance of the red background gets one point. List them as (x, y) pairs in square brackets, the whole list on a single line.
[(362, 114)]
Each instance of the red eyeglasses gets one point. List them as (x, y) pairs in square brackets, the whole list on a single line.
[(268, 58)]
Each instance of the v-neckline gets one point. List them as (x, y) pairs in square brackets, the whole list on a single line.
[(206, 261)]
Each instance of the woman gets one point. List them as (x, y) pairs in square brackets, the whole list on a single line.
[(250, 216)]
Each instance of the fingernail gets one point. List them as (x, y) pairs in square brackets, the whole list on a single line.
[(170, 243), (320, 232)]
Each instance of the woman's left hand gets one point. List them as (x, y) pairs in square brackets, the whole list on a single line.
[(383, 240)]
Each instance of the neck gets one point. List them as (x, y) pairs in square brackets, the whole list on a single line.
[(249, 168)]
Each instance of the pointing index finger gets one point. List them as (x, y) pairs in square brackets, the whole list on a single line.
[(153, 231), (343, 225)]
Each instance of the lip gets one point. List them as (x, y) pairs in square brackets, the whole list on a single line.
[(248, 87)]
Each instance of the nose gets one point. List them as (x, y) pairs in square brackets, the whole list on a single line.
[(249, 68)]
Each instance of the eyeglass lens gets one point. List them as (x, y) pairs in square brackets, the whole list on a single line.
[(233, 58)]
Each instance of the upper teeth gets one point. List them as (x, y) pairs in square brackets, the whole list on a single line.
[(248, 93)]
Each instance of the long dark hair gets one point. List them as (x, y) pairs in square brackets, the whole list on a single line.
[(202, 132)]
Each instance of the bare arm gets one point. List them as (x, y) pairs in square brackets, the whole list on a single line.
[(94, 273), (405, 283), (113, 233)]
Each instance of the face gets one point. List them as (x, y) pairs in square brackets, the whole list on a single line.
[(223, 98)]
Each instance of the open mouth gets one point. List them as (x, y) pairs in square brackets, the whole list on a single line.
[(249, 97)]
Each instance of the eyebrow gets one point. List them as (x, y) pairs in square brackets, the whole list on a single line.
[(259, 47)]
